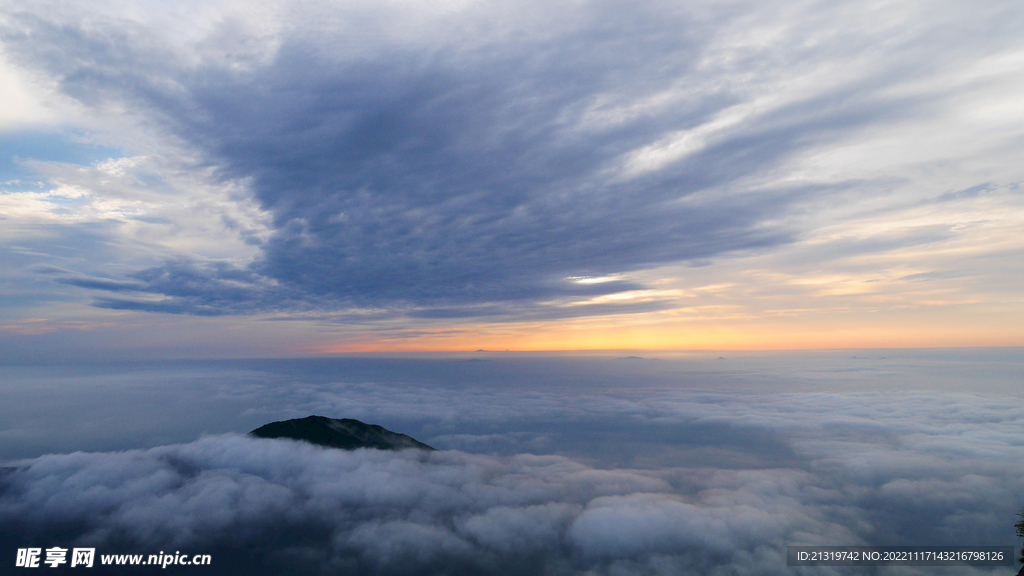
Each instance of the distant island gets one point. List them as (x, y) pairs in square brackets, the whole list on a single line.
[(344, 433)]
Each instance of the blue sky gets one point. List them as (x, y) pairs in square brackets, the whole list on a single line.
[(234, 178)]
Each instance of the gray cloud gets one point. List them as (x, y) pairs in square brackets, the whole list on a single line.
[(463, 179)]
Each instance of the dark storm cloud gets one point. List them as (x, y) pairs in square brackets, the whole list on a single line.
[(469, 174)]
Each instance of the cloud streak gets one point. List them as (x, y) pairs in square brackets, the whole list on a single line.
[(448, 170)]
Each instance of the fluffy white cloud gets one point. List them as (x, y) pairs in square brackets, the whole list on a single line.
[(403, 512), (867, 468)]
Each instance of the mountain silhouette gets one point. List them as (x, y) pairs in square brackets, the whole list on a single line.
[(346, 433)]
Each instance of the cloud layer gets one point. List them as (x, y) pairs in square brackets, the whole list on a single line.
[(568, 471), (483, 162), (313, 510), (468, 175)]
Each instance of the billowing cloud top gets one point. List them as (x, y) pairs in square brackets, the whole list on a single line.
[(890, 468)]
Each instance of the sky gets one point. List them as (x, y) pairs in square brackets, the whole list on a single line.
[(202, 202), (225, 178)]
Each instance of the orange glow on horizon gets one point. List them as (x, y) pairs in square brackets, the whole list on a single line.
[(760, 334)]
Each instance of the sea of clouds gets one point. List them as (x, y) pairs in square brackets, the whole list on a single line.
[(552, 479)]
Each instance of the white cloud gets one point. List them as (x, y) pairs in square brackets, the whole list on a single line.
[(700, 466), (21, 102)]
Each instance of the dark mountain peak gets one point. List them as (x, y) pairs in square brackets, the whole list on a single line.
[(346, 433)]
